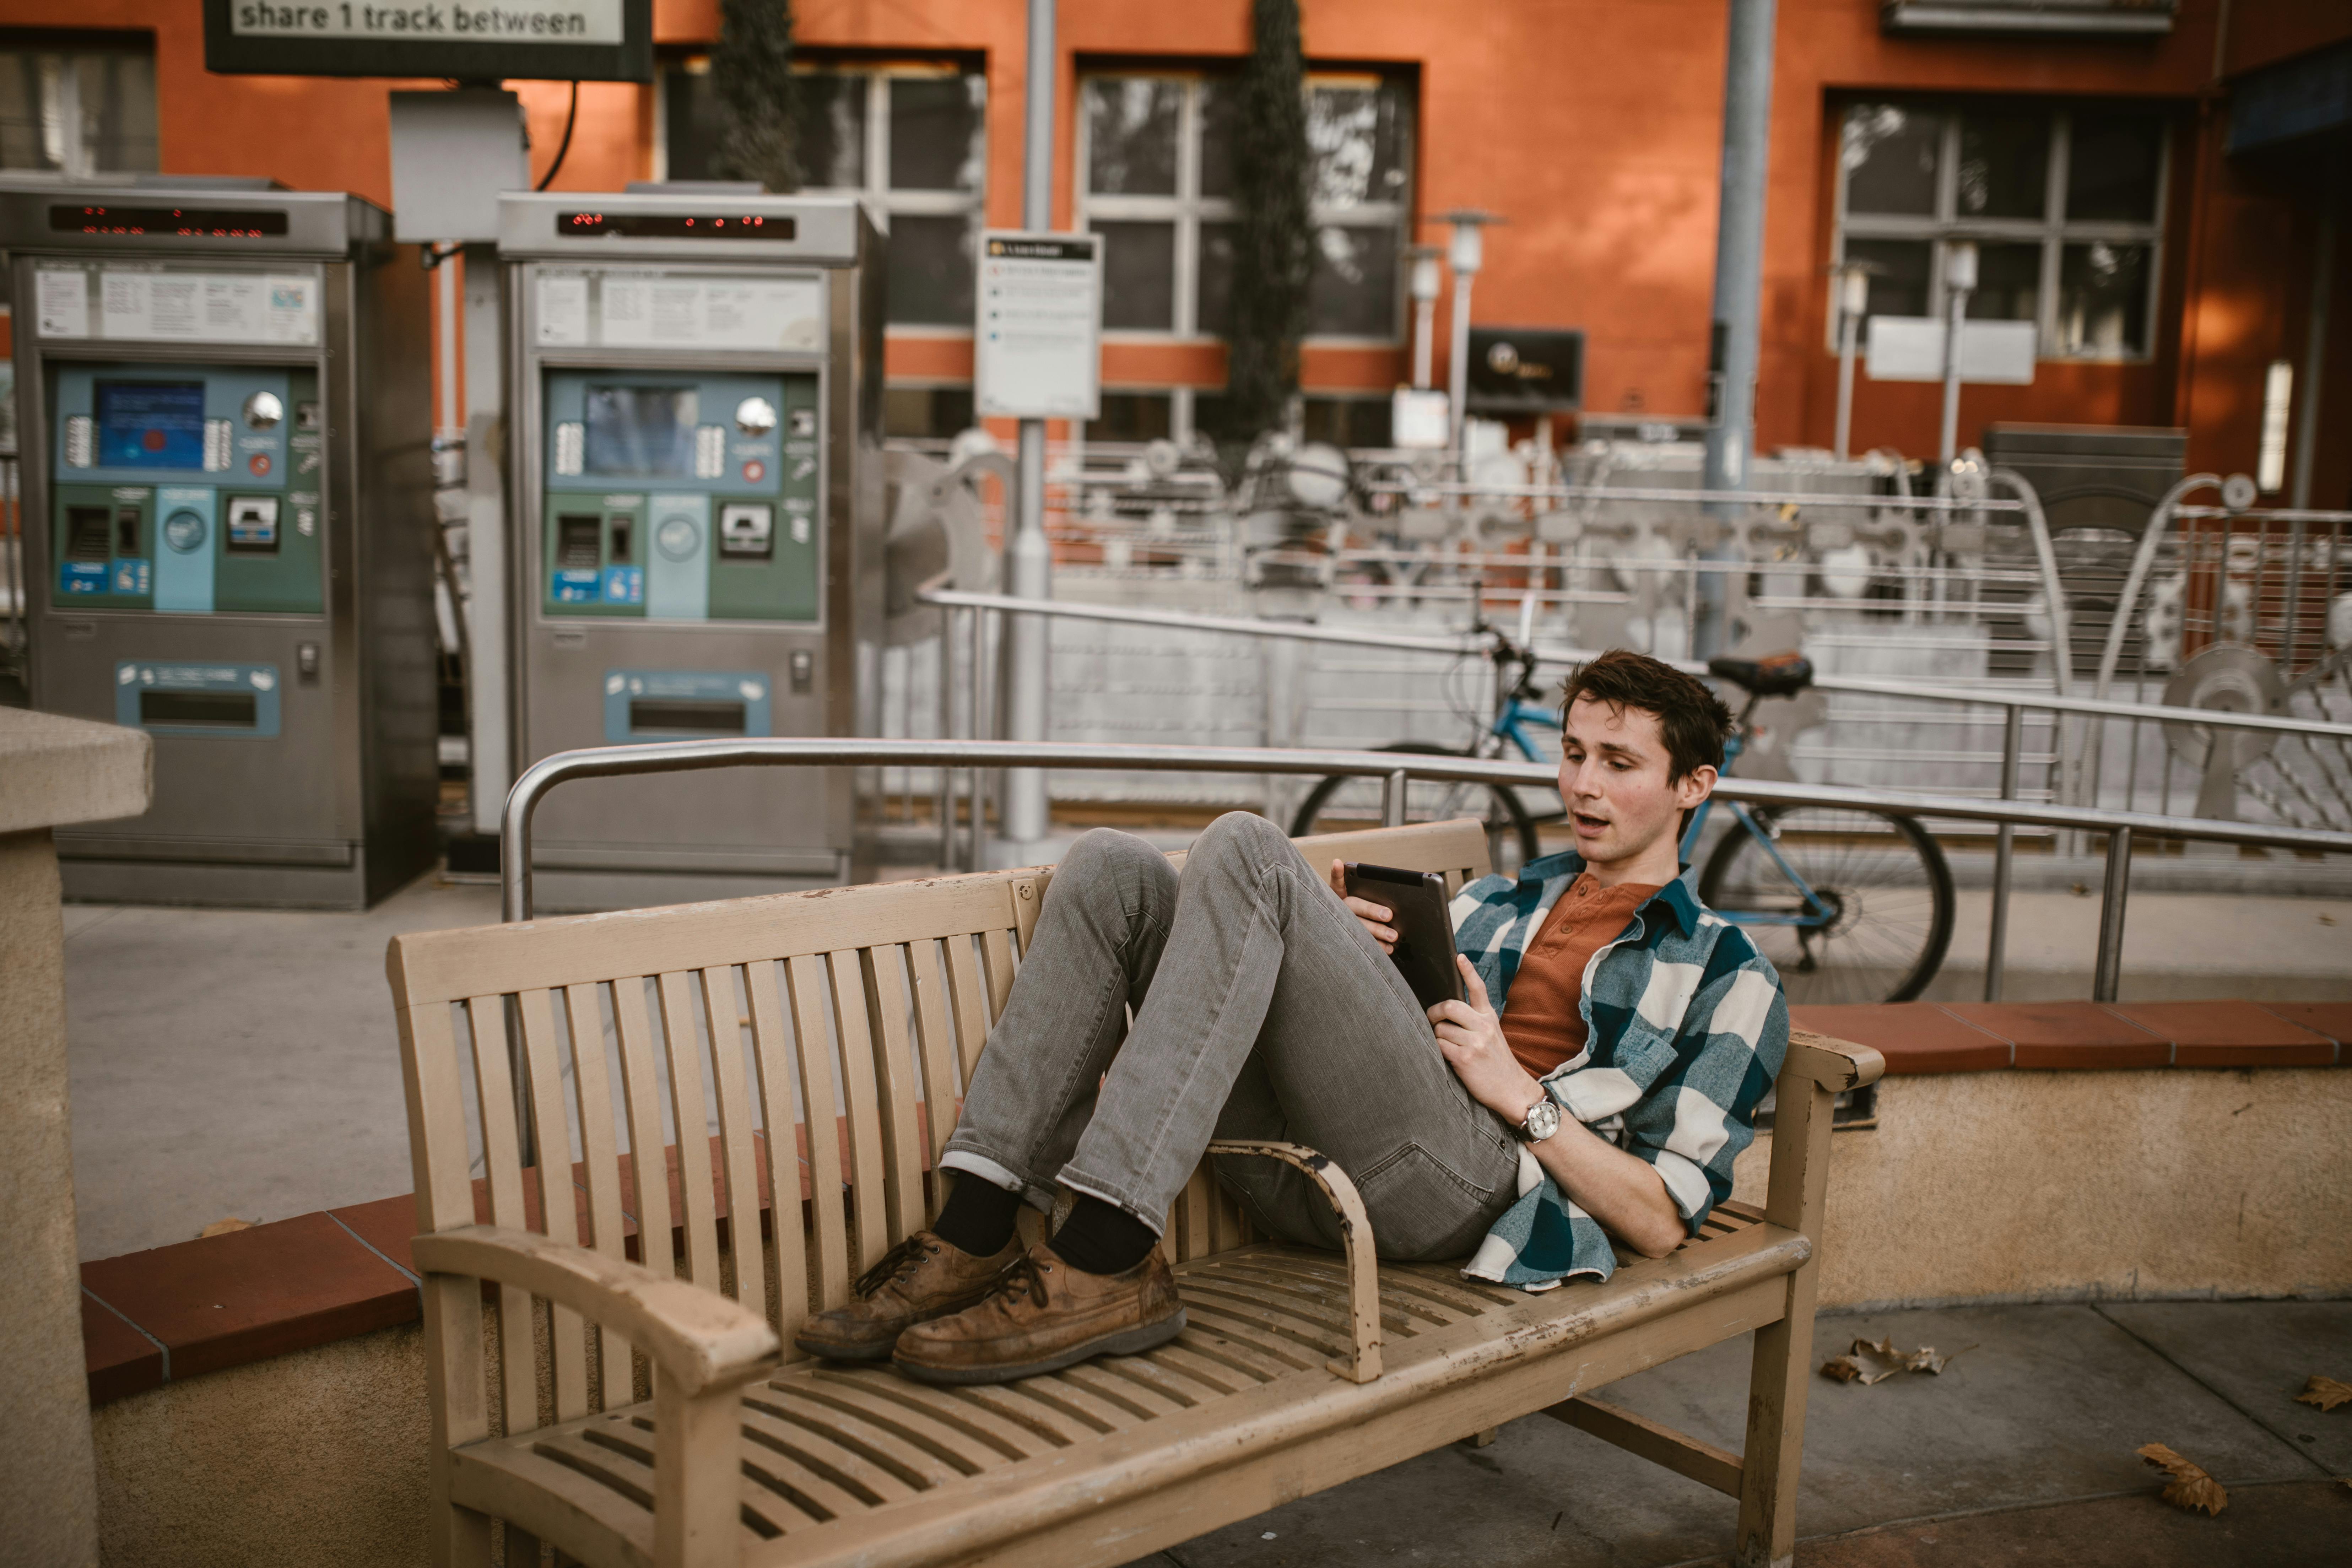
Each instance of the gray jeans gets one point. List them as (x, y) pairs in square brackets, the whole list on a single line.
[(1263, 1010)]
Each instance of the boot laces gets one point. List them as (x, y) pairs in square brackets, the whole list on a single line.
[(896, 1264), (1022, 1274)]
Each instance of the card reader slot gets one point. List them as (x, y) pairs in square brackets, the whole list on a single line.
[(680, 716), (201, 709)]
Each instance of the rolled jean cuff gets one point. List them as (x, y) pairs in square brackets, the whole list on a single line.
[(973, 1164), (1088, 1187)]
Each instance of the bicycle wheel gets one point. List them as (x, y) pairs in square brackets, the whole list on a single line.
[(1340, 804), (1886, 883)]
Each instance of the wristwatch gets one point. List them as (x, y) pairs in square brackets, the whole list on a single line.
[(1542, 1122)]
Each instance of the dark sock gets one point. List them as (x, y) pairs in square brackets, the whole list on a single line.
[(1102, 1239), (978, 1217)]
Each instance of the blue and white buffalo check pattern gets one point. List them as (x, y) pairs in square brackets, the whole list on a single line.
[(1687, 1030)]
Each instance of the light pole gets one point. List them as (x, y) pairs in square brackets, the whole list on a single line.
[(1959, 282), (1029, 558), (1425, 283), (1853, 302), (1466, 253)]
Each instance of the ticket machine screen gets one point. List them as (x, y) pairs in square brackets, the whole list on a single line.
[(640, 432), (151, 423)]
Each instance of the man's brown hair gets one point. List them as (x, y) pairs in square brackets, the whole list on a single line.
[(1693, 720)]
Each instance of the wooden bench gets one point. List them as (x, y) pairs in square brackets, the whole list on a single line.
[(626, 1416)]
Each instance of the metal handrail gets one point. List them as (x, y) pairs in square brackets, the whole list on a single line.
[(1182, 620), (1396, 770)]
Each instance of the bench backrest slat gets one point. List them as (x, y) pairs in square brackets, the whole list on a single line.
[(862, 1012)]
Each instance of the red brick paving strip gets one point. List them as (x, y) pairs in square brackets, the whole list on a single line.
[(1912, 1037), (2229, 1035), (2066, 1034)]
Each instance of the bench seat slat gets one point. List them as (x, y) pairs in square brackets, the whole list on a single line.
[(486, 1021), (813, 1051), (771, 1057), (853, 1474), (935, 1042), (738, 1145), (558, 1199), (890, 1391), (682, 1050), (861, 1100), (882, 973), (914, 1448), (970, 1003)]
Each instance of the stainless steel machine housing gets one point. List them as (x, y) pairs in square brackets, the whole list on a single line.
[(810, 661), (326, 799)]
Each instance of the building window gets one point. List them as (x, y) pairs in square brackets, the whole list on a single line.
[(910, 139), (77, 112), (926, 413), (1155, 160), (2066, 205)]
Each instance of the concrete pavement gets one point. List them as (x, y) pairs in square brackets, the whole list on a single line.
[(2021, 1452)]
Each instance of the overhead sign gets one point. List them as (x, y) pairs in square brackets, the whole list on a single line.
[(1526, 370), (1911, 347), (469, 40), (1037, 344)]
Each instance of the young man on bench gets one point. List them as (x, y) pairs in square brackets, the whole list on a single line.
[(1599, 1081)]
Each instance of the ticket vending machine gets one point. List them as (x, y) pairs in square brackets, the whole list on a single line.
[(697, 474), (224, 415)]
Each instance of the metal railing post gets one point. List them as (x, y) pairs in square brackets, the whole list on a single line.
[(2106, 976), (943, 776), (982, 714), (1392, 790), (2012, 743)]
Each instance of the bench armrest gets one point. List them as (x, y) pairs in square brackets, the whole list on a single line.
[(699, 1338), (1836, 1065), (1363, 1363)]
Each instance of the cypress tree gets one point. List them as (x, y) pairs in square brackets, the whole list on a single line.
[(1272, 256), (751, 72)]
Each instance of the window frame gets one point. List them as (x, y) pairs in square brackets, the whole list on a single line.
[(2053, 231), (1186, 209), (881, 198)]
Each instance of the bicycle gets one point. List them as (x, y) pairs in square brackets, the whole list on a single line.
[(1850, 903), (1511, 838)]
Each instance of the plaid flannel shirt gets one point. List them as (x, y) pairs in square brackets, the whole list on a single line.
[(1686, 1029)]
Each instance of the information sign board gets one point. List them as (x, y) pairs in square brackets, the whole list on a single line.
[(1037, 345), (467, 41), (157, 305), (1911, 347)]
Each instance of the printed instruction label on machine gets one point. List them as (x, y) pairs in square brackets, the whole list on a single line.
[(563, 22), (156, 306), (1038, 340), (649, 309)]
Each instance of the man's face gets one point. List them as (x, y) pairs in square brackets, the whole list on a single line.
[(1612, 774)]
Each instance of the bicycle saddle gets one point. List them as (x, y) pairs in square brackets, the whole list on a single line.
[(1775, 675)]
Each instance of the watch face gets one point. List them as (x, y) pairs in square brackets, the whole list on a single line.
[(1543, 1118)]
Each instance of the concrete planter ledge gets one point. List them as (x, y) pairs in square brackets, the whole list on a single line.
[(172, 1312)]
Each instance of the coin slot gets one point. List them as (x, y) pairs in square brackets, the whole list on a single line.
[(200, 710), (89, 530), (579, 543)]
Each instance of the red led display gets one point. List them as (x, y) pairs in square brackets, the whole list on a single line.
[(674, 225), (183, 222)]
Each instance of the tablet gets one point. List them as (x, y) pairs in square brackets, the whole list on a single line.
[(1424, 926)]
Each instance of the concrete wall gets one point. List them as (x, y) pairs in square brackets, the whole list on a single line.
[(2107, 1184), (311, 1460)]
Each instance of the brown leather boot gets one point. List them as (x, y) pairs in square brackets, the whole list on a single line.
[(1045, 1315), (921, 1277)]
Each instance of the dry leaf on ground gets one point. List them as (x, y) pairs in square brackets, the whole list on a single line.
[(2189, 1486), (1867, 1363), (2323, 1391), (223, 1226)]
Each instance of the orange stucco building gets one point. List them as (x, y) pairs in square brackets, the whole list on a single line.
[(2167, 254)]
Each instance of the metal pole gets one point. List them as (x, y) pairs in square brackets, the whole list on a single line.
[(1029, 559), (2106, 976), (982, 722), (1739, 279), (1854, 300), (943, 777), (2012, 744), (1424, 313), (1467, 255), (489, 745), (1392, 790), (1959, 282)]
